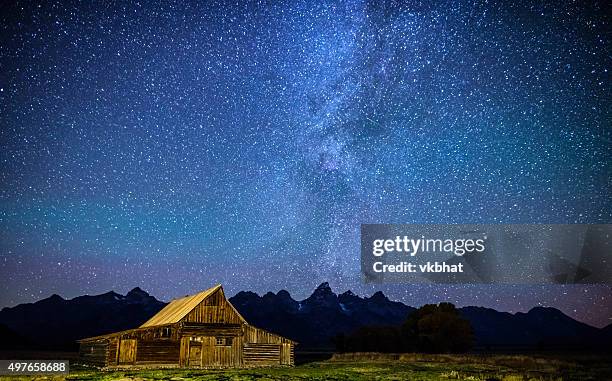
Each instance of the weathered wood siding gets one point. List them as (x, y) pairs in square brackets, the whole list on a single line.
[(214, 309), (113, 352), (256, 354), (287, 355), (204, 352), (184, 352), (127, 351), (95, 352), (256, 335), (197, 347), (210, 329), (158, 352), (262, 348), (221, 356), (169, 331)]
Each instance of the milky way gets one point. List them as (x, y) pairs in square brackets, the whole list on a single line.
[(175, 146)]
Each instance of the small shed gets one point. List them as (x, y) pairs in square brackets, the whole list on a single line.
[(202, 330)]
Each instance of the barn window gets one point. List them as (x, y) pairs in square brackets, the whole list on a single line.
[(224, 341), (166, 332)]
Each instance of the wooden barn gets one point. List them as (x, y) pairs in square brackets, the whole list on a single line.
[(202, 330)]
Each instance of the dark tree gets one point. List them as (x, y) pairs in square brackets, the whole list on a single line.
[(384, 339), (437, 328), (432, 328)]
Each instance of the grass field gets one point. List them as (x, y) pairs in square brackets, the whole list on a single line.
[(379, 367)]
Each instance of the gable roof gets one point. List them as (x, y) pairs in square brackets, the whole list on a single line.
[(179, 308)]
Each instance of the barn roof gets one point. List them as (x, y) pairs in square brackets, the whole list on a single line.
[(179, 308)]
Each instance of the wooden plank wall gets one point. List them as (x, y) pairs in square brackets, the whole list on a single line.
[(265, 348), (286, 355), (150, 333), (95, 352), (113, 352), (158, 352), (184, 352), (215, 309), (210, 329), (127, 351), (256, 335), (257, 354), (221, 356)]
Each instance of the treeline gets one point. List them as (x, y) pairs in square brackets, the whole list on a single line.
[(431, 329)]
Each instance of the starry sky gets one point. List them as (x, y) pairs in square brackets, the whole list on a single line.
[(173, 146)]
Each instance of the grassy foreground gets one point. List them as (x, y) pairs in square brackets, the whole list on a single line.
[(379, 367)]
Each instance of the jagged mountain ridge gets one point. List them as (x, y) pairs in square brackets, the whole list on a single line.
[(56, 323), (321, 316)]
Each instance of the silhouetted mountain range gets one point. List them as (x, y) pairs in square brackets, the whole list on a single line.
[(55, 323), (321, 316)]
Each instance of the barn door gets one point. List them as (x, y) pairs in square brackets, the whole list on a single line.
[(221, 352), (127, 351), (285, 354), (195, 354), (208, 351)]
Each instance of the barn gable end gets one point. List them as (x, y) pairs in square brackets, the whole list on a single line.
[(214, 309)]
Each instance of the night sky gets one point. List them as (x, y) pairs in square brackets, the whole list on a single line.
[(173, 146)]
